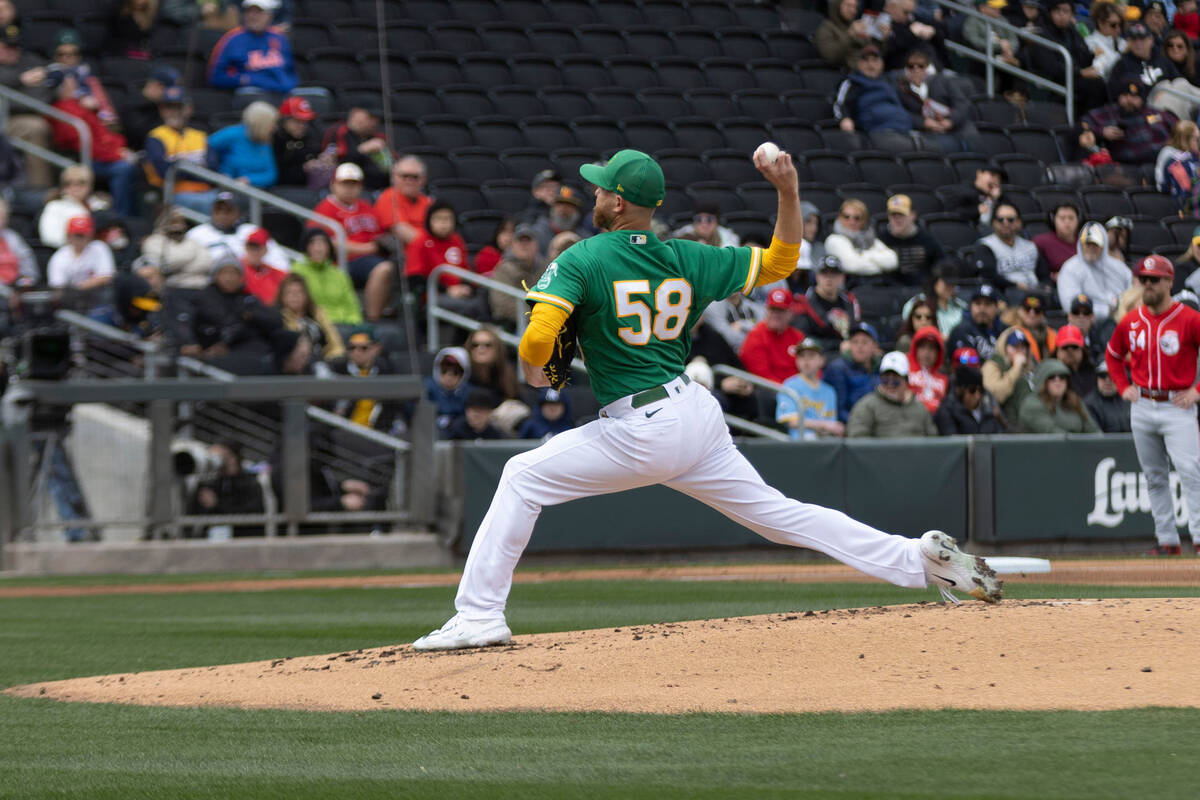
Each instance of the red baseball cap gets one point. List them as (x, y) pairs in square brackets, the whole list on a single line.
[(81, 225), (259, 237), (1155, 266), (779, 298), (1069, 335), (297, 107)]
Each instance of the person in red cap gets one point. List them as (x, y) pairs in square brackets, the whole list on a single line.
[(1159, 342), (83, 262), (297, 147), (261, 279), (766, 352), (1072, 351)]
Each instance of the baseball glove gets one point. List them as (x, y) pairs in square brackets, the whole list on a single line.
[(558, 368)]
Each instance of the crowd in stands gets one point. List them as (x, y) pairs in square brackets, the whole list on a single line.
[(978, 303)]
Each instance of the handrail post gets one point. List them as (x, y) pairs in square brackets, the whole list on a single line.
[(431, 308), (294, 436), (46, 110), (991, 56)]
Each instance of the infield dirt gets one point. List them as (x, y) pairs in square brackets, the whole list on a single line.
[(1027, 654)]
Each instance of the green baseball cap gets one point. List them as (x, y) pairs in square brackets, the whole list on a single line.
[(632, 174)]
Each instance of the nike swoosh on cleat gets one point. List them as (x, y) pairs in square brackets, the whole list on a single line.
[(650, 414), (947, 580)]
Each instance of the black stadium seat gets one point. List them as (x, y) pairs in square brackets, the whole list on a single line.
[(477, 11), (360, 36), (548, 133), (1023, 169), (568, 160), (1104, 202), (712, 103), (416, 100), (438, 165), (465, 99), (565, 102), (602, 40), (525, 162), (435, 68), (950, 230), (1149, 234), (455, 36), (462, 194), (732, 74), (759, 196), (822, 195), (666, 13), (697, 42), (407, 36), (446, 130), (516, 101), (497, 131), (697, 133), (509, 194), (743, 133), (928, 169), (1152, 202), (683, 166), (573, 12), (791, 45), (714, 193), (1036, 140), (666, 103), (715, 14), (648, 41), (478, 227), (1050, 196), (485, 69), (504, 37), (617, 102), (477, 163), (631, 71), (826, 166), (761, 104), (870, 193), (880, 168), (648, 134), (534, 69), (598, 133), (680, 72), (584, 71), (966, 165), (525, 11), (731, 166), (553, 38), (743, 43)]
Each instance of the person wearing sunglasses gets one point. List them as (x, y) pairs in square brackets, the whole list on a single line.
[(1018, 261), (1159, 342), (939, 108), (916, 249), (968, 408), (854, 244), (892, 410), (1093, 272), (1106, 41), (980, 329), (868, 102)]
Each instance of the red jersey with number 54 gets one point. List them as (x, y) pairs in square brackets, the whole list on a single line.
[(1161, 350)]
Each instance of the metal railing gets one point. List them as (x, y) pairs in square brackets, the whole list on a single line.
[(257, 198), (153, 356), (9, 96), (991, 63), (737, 423)]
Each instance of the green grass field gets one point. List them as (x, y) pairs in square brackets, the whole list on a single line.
[(67, 750)]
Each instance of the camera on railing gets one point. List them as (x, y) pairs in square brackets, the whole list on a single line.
[(192, 457)]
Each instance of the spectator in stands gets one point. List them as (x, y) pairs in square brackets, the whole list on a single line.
[(26, 73), (1057, 245), (915, 248), (862, 255), (868, 102), (921, 314), (244, 151), (301, 314), (842, 36), (68, 55), (183, 263), (765, 351), (232, 329), (174, 141), (939, 109), (1018, 262), (1106, 42), (1008, 374), (565, 214), (1131, 131), (476, 422), (403, 206), (910, 36), (232, 490), (1092, 271), (365, 358), (443, 245), (1071, 350), (979, 330), (1183, 144), (330, 288), (1187, 264), (817, 414), (1053, 406), (369, 265), (111, 159), (130, 27), (1029, 317), (449, 385), (360, 141), (141, 114), (1119, 229), (1105, 404), (222, 232), (491, 367), (925, 368), (735, 316), (1178, 49), (968, 409), (975, 32), (542, 190), (1154, 17), (891, 411), (261, 279), (559, 244), (551, 416), (1186, 19), (706, 225), (855, 372), (135, 307), (488, 258), (975, 203), (826, 312), (83, 262), (1081, 315), (18, 267), (1090, 90), (297, 148), (253, 57), (940, 290)]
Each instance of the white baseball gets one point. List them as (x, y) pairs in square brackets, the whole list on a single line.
[(769, 151)]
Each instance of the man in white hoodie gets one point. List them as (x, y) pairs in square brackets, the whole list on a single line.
[(1093, 272)]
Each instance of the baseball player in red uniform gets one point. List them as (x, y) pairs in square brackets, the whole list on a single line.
[(1159, 341)]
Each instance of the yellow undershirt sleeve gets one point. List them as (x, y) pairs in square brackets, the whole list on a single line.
[(778, 262), (545, 321)]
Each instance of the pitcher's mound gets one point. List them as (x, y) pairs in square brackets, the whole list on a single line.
[(1033, 654)]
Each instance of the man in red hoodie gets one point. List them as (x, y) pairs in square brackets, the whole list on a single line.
[(765, 352), (368, 266), (111, 159), (925, 376)]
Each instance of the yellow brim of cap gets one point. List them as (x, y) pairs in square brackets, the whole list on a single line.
[(1195, 240), (146, 304)]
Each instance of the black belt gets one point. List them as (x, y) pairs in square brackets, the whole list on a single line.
[(1155, 394), (654, 395)]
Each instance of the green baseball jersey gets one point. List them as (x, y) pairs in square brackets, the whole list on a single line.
[(635, 300)]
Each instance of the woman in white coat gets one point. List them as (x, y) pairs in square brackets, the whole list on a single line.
[(855, 244)]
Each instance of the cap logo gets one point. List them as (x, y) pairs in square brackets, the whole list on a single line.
[(620, 188)]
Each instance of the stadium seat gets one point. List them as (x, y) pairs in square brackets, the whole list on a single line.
[(437, 164), (762, 104), (568, 160), (696, 42), (534, 69), (1152, 203), (965, 165), (408, 36), (478, 163), (829, 167), (631, 71), (478, 11), (666, 14), (676, 201), (455, 36), (565, 102), (516, 101), (992, 139), (870, 193), (821, 195), (683, 166), (398, 69), (996, 110), (584, 72), (509, 194), (359, 36), (525, 11), (602, 40), (1104, 202), (435, 68), (497, 131), (731, 74), (806, 104), (928, 169), (1044, 112), (648, 134), (794, 135), (834, 138), (666, 103), (791, 46), (743, 133), (462, 194), (478, 227), (1036, 140), (523, 163), (309, 34), (1025, 202), (1022, 168), (715, 104), (743, 43), (423, 10), (697, 133), (750, 226), (446, 130), (950, 230), (880, 168), (617, 102), (506, 37), (714, 193), (1071, 174), (680, 72), (548, 133), (598, 133), (38, 29), (818, 76), (759, 196), (731, 166), (553, 38), (573, 12), (1050, 196), (465, 99), (1181, 230), (648, 41), (1148, 234)]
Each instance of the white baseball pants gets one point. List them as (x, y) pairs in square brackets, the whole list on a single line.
[(681, 442), (1160, 429)]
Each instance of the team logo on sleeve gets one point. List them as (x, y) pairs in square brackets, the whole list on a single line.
[(1169, 343), (547, 276), (637, 238)]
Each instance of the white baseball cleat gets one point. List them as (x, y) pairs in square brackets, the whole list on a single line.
[(947, 567), (459, 632)]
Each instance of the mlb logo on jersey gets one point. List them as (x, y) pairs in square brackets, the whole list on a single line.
[(637, 238)]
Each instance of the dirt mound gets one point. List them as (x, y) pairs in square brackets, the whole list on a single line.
[(1035, 654)]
